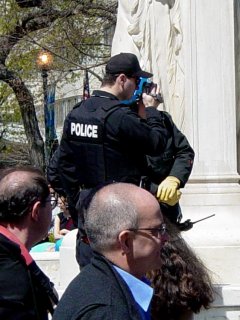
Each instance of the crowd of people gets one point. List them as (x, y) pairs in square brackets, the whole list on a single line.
[(118, 173)]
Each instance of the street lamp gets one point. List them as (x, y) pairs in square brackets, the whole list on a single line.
[(44, 61)]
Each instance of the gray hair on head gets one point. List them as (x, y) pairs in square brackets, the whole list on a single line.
[(111, 211)]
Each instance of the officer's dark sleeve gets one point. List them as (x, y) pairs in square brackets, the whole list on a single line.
[(184, 155), (148, 135), (67, 166), (53, 175)]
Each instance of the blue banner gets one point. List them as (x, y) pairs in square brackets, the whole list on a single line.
[(51, 112)]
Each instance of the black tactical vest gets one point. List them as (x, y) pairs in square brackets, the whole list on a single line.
[(86, 131)]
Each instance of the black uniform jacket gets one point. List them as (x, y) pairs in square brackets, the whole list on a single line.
[(53, 174), (22, 296), (104, 140), (98, 292), (177, 158)]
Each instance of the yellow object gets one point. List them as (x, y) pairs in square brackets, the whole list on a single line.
[(174, 199), (167, 189)]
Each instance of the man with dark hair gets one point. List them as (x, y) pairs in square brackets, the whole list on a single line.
[(25, 217), (125, 228)]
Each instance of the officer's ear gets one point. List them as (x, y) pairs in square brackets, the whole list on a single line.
[(121, 79)]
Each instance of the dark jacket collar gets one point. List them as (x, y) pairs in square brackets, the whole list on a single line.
[(104, 94), (105, 266)]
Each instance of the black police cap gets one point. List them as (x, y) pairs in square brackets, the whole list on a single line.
[(126, 63)]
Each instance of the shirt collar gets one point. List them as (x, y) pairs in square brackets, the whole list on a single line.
[(140, 289)]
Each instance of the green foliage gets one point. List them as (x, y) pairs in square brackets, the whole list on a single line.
[(10, 111), (75, 41), (72, 30), (9, 16), (51, 237)]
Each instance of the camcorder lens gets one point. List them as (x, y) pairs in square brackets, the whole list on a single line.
[(148, 86)]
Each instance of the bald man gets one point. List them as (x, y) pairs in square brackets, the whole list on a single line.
[(125, 228), (25, 217)]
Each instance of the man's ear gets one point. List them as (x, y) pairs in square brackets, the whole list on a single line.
[(125, 241), (36, 211), (121, 79)]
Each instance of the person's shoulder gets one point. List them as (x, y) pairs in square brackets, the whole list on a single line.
[(122, 110), (97, 294), (163, 114), (89, 274), (89, 287), (8, 247), (94, 279), (167, 118)]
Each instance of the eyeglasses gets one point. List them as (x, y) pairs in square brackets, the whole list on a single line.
[(157, 232), (53, 202)]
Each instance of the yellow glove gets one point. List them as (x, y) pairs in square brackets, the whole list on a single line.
[(168, 188), (174, 199)]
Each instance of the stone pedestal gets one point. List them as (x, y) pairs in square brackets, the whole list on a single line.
[(216, 240), (69, 267), (48, 262)]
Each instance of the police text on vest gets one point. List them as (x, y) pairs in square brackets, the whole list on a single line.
[(84, 130)]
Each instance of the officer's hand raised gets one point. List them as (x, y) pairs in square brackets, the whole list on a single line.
[(152, 99)]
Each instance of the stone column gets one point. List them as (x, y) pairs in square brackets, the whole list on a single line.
[(210, 95), (210, 111)]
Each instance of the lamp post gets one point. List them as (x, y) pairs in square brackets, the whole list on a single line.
[(44, 62)]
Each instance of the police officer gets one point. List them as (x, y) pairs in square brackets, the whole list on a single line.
[(103, 139), (170, 171)]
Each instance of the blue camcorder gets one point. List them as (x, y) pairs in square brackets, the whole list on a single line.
[(144, 85)]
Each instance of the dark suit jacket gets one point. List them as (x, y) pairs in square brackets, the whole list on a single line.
[(98, 292)]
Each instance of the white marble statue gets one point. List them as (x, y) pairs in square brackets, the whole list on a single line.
[(152, 30)]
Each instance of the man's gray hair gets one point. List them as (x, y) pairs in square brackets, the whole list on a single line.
[(111, 211)]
